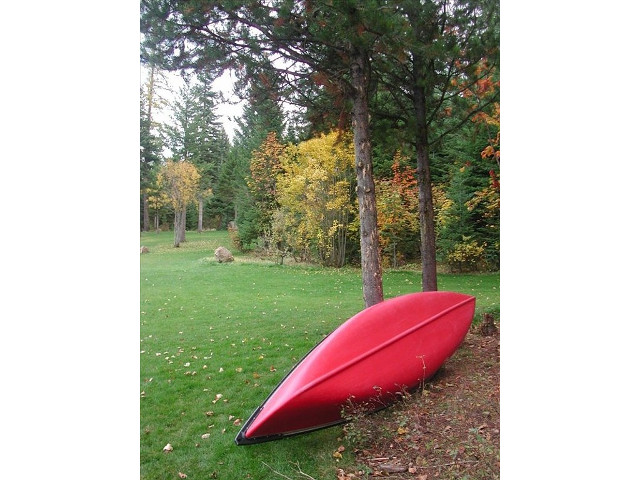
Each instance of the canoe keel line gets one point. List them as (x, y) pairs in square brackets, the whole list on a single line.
[(388, 348)]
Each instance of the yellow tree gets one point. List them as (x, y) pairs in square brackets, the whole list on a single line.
[(157, 200), (316, 193), (180, 181)]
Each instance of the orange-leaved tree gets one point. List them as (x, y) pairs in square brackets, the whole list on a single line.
[(398, 224), (265, 167), (179, 180)]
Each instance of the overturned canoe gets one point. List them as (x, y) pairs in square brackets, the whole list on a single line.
[(389, 347)]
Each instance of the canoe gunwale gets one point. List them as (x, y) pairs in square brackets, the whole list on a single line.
[(378, 348)]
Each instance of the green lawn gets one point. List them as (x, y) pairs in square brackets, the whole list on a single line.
[(215, 339)]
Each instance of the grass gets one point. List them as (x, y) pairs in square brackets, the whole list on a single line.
[(215, 339)]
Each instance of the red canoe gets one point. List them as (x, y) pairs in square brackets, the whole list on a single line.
[(391, 346)]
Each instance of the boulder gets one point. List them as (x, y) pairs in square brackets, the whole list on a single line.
[(223, 255)]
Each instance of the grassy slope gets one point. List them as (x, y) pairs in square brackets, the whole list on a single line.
[(235, 330)]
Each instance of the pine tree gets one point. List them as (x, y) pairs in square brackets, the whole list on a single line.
[(150, 141)]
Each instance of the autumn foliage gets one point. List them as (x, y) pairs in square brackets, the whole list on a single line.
[(265, 168), (397, 203), (315, 193), (180, 181)]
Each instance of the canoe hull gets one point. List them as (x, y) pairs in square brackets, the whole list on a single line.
[(375, 355)]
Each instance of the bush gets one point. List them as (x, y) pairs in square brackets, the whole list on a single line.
[(466, 256)]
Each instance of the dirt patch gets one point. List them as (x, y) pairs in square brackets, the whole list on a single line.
[(449, 429)]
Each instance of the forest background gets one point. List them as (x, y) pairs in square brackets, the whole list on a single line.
[(286, 186), (568, 218), (410, 78)]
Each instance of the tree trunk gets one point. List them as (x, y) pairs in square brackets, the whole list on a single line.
[(183, 225), (425, 194), (145, 212), (177, 227), (369, 242), (200, 210)]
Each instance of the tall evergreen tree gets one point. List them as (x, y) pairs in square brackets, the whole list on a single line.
[(150, 141), (211, 141), (196, 133), (261, 116)]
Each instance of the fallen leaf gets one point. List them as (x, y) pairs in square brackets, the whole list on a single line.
[(402, 430), (205, 436), (237, 422), (209, 413), (167, 448), (182, 475)]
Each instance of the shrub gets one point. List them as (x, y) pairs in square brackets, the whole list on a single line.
[(467, 255)]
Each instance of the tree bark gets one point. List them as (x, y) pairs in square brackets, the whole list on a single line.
[(145, 212), (369, 241), (200, 211), (425, 194), (183, 225), (179, 226)]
